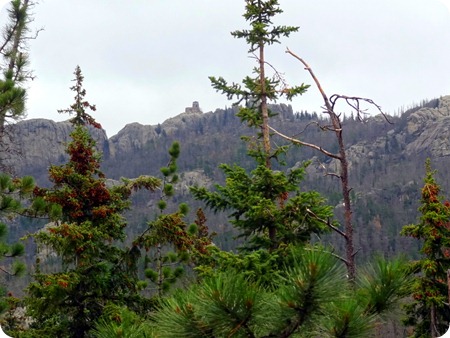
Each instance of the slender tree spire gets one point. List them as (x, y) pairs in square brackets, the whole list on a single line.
[(79, 107), (258, 91)]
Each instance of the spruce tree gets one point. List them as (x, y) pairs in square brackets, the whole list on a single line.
[(257, 91), (98, 271), (267, 205), (275, 216), (430, 312), (96, 268)]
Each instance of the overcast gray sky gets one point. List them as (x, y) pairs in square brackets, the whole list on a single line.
[(146, 60)]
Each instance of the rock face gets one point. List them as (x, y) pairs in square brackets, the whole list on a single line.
[(427, 133), (421, 118), (431, 127), (42, 142), (39, 143), (133, 137)]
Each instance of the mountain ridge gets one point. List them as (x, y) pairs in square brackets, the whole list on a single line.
[(386, 159)]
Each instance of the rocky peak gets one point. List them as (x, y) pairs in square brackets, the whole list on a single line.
[(427, 132), (186, 119), (431, 129), (132, 137), (41, 143), (418, 120)]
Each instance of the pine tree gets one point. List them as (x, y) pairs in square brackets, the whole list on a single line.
[(13, 49), (121, 322), (309, 298), (430, 311), (96, 268), (169, 241)]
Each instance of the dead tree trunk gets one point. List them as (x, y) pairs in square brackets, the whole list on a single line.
[(341, 157)]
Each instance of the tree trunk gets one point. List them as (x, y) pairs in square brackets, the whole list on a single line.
[(433, 327), (265, 128), (349, 246), (343, 174), (448, 283), (264, 109), (159, 264)]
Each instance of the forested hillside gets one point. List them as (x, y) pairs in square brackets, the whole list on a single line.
[(386, 160)]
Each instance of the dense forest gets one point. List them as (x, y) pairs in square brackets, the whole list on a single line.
[(250, 221)]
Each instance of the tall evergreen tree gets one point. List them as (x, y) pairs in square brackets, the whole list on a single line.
[(264, 202), (275, 215), (96, 268), (430, 310)]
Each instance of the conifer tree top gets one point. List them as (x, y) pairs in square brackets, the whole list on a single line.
[(80, 106), (259, 14)]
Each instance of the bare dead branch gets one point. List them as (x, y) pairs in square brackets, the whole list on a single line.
[(330, 102), (327, 222), (35, 34), (327, 173), (330, 128), (321, 127), (354, 254), (355, 103), (276, 75), (333, 175), (307, 126), (316, 80), (306, 144)]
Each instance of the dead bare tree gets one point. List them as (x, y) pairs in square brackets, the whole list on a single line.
[(335, 126)]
